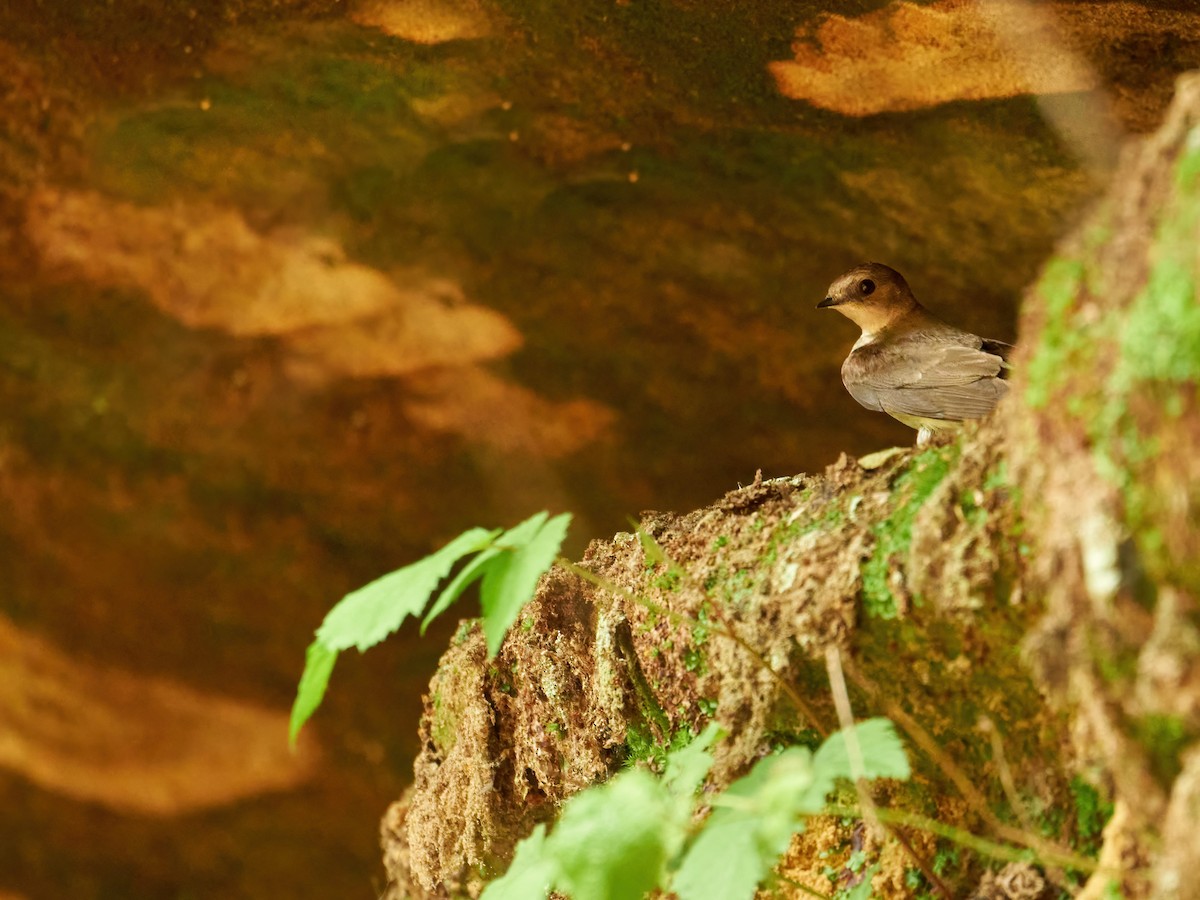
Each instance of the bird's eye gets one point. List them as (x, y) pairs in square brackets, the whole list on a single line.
[(866, 286)]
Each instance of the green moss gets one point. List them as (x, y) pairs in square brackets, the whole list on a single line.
[(998, 478), (894, 535), (642, 747), (1187, 170), (732, 588), (701, 628), (947, 858), (1154, 370), (1091, 814), (1160, 339), (1049, 819), (694, 657), (715, 578), (671, 580), (736, 589), (779, 739), (831, 518), (443, 728), (1062, 342), (918, 663), (813, 517), (974, 514), (1158, 365), (1164, 738)]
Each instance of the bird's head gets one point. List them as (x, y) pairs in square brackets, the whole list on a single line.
[(871, 295)]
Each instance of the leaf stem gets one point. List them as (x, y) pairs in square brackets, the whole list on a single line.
[(812, 892), (841, 702), (1057, 856)]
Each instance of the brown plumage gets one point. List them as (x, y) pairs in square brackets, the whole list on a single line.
[(908, 362)]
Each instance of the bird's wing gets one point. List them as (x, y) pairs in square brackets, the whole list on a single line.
[(999, 348), (952, 402), (931, 380)]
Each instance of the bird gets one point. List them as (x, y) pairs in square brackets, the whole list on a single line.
[(910, 364)]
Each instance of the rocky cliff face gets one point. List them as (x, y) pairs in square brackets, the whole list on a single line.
[(1021, 601)]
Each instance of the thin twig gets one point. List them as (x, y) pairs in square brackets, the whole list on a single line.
[(841, 702), (922, 864), (926, 742), (812, 892), (1057, 856), (988, 727), (1046, 850)]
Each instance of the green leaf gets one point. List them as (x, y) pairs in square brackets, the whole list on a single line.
[(725, 862), (687, 767), (653, 550), (529, 876), (882, 752), (862, 890), (510, 579), (611, 842), (754, 819), (510, 571), (318, 666), (750, 827), (365, 617), (470, 572)]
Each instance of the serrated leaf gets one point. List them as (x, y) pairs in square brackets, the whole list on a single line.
[(754, 819), (882, 752), (611, 842), (318, 666), (472, 571), (529, 876), (751, 826), (510, 579), (365, 617)]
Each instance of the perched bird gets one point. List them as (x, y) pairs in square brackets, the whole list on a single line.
[(908, 362)]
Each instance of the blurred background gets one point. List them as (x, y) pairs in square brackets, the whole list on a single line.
[(293, 291)]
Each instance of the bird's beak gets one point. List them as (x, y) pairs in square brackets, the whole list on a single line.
[(828, 301)]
